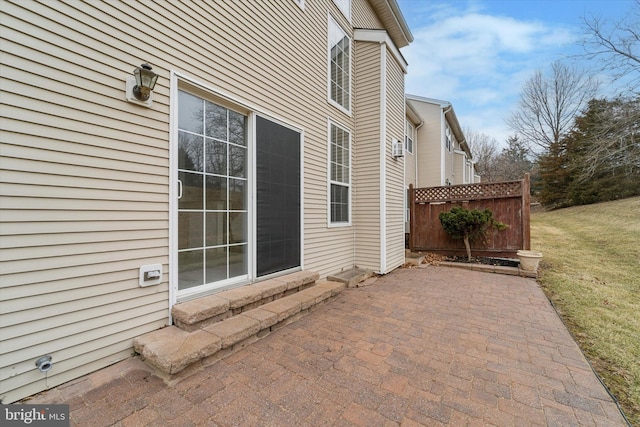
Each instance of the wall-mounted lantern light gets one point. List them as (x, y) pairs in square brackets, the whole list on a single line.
[(140, 85)]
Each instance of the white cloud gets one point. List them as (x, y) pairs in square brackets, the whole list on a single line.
[(478, 61)]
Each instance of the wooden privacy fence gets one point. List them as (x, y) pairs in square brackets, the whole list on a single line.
[(509, 202)]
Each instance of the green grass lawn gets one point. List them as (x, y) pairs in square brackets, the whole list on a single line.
[(591, 272)]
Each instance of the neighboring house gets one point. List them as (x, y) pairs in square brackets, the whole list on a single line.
[(266, 149), (438, 154)]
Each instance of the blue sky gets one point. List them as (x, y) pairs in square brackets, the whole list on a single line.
[(478, 53)]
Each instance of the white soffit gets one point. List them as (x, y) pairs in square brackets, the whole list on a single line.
[(381, 36)]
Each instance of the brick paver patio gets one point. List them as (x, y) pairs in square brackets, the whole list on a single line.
[(421, 346)]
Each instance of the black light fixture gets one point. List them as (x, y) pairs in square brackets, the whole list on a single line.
[(145, 82)]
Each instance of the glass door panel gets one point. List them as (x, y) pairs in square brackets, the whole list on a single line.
[(212, 206)]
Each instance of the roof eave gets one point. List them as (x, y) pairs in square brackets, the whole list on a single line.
[(393, 20), (451, 117)]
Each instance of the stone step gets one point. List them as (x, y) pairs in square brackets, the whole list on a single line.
[(413, 258), (205, 311), (172, 350), (351, 277)]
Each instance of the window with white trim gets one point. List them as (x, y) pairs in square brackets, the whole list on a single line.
[(345, 7), (339, 66), (408, 138), (339, 174)]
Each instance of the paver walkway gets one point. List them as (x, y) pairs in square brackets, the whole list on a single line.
[(422, 346)]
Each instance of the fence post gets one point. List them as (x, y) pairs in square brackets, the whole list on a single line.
[(412, 222), (526, 212)]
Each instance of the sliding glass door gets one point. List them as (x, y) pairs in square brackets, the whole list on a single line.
[(220, 225), (212, 199)]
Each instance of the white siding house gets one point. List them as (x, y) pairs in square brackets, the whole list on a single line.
[(442, 155), (266, 149)]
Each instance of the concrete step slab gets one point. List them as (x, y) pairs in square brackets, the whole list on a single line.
[(351, 277), (199, 310), (175, 352), (335, 287), (171, 349), (413, 259), (284, 307), (234, 329), (202, 312), (264, 317)]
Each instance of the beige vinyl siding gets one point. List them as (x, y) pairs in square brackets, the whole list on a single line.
[(327, 250), (449, 157), (459, 168), (85, 175), (367, 177), (395, 117), (362, 16), (71, 150), (430, 145)]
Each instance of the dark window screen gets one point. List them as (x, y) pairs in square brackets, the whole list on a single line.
[(277, 196)]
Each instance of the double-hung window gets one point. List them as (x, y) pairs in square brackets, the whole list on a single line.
[(339, 175), (339, 66), (408, 138)]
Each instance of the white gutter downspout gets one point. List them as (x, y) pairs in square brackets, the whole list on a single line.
[(465, 179), (173, 194), (443, 159), (415, 149), (383, 158)]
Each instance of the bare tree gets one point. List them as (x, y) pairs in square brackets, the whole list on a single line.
[(613, 141), (549, 104), (613, 138), (616, 46), (484, 150)]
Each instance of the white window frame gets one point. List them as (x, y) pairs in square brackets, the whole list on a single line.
[(331, 182), (179, 81), (333, 26), (448, 142), (345, 7), (407, 208), (409, 136)]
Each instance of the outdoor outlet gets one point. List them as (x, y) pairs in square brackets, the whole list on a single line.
[(150, 275)]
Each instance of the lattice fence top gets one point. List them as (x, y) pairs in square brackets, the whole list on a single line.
[(491, 190)]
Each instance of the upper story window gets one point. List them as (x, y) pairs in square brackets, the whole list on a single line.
[(448, 139), (339, 175), (339, 66), (345, 7), (408, 138)]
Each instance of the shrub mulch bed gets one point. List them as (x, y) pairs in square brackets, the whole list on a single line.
[(503, 262)]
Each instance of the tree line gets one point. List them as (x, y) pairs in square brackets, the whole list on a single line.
[(579, 147)]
